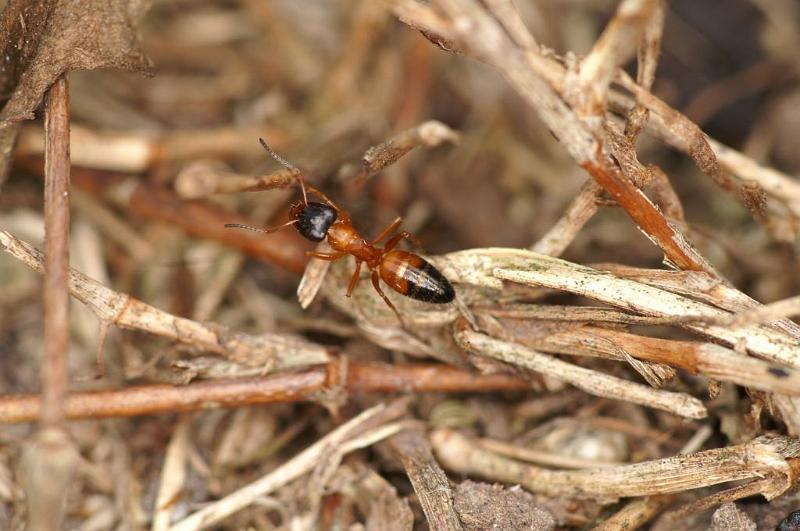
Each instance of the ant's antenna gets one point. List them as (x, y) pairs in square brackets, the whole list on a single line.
[(289, 166), (256, 229)]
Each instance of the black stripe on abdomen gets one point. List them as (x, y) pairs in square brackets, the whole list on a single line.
[(427, 284)]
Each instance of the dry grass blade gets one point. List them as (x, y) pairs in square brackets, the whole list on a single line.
[(428, 479), (273, 351), (173, 474), (640, 511), (615, 46), (371, 420), (591, 381), (764, 314), (538, 270), (765, 456)]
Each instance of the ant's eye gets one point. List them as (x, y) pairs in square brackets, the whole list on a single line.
[(314, 220)]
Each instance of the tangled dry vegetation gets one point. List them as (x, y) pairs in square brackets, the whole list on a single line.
[(585, 377)]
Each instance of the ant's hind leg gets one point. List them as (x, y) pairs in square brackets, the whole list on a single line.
[(387, 231), (354, 278), (376, 284), (394, 240)]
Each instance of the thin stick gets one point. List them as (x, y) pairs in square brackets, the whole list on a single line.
[(49, 458), (54, 369), (304, 385)]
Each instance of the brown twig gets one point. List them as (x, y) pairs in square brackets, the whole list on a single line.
[(50, 457), (307, 384), (204, 178), (54, 373), (428, 134)]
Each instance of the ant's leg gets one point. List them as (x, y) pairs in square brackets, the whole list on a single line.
[(377, 286), (354, 278), (387, 231), (394, 240), (325, 256), (256, 229)]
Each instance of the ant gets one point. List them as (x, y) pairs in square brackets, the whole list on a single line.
[(405, 272)]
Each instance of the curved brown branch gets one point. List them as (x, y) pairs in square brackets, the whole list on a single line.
[(308, 384)]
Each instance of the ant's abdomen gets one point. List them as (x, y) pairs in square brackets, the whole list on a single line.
[(412, 276)]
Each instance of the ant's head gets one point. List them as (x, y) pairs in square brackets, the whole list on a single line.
[(313, 219)]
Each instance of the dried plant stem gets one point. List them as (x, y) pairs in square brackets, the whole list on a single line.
[(639, 511), (550, 90), (204, 220), (763, 457), (428, 134), (763, 314), (54, 371), (204, 178), (305, 385), (428, 479), (138, 151), (173, 474), (371, 420), (751, 488), (578, 213), (49, 458), (591, 381), (615, 46), (713, 361), (548, 459), (111, 307), (551, 272)]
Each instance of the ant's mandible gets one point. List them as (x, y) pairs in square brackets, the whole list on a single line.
[(405, 272)]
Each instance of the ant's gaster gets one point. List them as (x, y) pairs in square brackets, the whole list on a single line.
[(405, 272)]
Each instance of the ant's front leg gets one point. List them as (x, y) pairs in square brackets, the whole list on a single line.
[(326, 256), (354, 278)]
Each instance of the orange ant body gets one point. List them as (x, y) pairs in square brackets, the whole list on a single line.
[(405, 272)]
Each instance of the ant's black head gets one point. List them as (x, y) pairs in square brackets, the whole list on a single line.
[(313, 220)]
